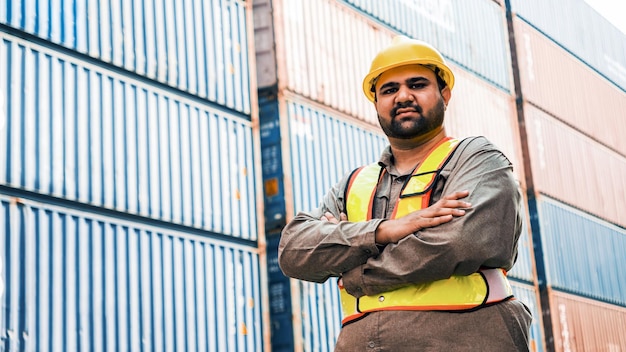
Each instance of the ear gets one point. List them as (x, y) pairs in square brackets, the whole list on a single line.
[(446, 94)]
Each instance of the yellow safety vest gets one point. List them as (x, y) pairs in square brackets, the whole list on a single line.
[(455, 293)]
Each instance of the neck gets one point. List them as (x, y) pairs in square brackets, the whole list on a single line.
[(408, 153)]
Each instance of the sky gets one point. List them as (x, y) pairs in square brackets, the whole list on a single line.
[(612, 10)]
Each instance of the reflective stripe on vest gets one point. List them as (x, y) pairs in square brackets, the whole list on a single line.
[(455, 293)]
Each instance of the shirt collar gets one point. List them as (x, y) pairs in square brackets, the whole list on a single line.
[(387, 161)]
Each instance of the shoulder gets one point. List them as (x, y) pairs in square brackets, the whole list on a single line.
[(475, 144), (478, 149)]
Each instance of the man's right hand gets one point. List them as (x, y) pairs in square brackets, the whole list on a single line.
[(443, 211)]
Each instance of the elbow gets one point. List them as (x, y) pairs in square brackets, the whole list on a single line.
[(284, 263), (292, 267)]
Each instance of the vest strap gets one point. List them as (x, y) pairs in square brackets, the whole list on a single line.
[(458, 293)]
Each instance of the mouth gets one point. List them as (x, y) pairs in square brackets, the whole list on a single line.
[(402, 112)]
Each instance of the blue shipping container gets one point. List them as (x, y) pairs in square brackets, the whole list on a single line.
[(201, 47), (81, 132), (72, 280), (583, 255)]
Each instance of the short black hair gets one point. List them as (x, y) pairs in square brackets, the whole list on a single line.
[(440, 82)]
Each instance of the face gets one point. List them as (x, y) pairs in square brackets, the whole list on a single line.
[(409, 103)]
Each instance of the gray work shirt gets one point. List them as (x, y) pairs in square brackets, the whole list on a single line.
[(486, 236)]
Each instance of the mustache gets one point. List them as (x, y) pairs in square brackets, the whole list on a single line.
[(405, 105)]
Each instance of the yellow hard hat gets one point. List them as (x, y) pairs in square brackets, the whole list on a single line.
[(405, 51)]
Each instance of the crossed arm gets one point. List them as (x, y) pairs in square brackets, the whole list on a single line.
[(448, 238)]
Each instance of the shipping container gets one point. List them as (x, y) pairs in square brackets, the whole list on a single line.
[(582, 324), (324, 146), (582, 254), (479, 109), (573, 168), (529, 296), (524, 268), (581, 31), (452, 26), (560, 84), (73, 280), (83, 132), (200, 47), (322, 52)]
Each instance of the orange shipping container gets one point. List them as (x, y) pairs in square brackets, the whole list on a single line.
[(574, 169), (478, 108), (581, 324), (569, 90)]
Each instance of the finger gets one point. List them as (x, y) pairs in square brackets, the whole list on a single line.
[(343, 217), (437, 220)]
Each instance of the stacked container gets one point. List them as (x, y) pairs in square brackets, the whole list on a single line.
[(152, 151), (572, 99), (129, 191)]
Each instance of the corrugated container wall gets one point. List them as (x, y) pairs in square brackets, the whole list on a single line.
[(81, 132), (129, 177), (319, 154), (200, 47), (320, 57), (584, 325), (480, 109), (564, 159), (569, 90), (582, 254), (581, 31), (74, 280), (572, 80)]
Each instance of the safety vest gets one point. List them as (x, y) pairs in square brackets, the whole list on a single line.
[(452, 294)]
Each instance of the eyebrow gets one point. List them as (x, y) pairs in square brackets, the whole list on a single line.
[(408, 81)]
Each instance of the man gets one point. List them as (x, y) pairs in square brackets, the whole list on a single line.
[(422, 239)]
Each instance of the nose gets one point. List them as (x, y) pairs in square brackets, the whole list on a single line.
[(404, 94)]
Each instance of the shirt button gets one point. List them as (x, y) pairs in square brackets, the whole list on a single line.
[(371, 344)]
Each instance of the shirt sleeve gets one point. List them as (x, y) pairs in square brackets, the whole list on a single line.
[(486, 236), (314, 250)]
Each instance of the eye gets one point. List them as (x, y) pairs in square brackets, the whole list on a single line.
[(386, 91), (417, 85)]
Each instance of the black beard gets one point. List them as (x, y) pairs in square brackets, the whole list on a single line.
[(427, 122)]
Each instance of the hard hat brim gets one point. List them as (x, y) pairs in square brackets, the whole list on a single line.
[(369, 80)]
